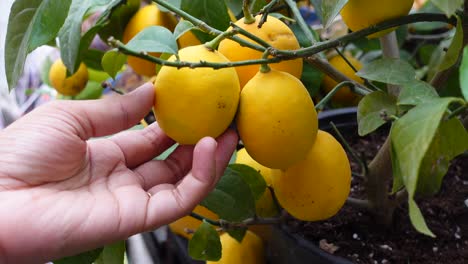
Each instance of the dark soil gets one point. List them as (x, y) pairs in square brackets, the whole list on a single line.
[(353, 234)]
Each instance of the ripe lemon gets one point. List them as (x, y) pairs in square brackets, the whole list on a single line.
[(344, 96), (193, 103), (149, 15), (250, 251), (187, 222), (275, 33), (317, 187), (265, 206), (360, 14), (188, 39), (71, 85), (277, 120)]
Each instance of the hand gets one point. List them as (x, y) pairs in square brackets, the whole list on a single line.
[(61, 193)]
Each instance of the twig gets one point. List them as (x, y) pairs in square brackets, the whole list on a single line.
[(265, 11), (232, 225), (358, 203), (329, 95), (250, 35)]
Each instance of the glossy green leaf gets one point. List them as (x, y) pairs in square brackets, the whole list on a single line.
[(182, 27), (411, 138), (83, 258), (232, 198), (327, 10), (32, 23), (417, 219), (450, 141), (112, 254), (235, 6), (386, 70), (453, 52), (212, 12), (113, 20), (464, 74), (370, 111), (238, 233), (205, 243), (252, 177), (70, 34), (154, 39), (92, 58), (416, 92), (449, 7), (311, 78), (112, 62)]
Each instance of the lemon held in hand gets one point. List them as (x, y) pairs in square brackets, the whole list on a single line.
[(149, 15), (317, 187), (277, 120), (250, 251), (275, 33), (360, 14), (192, 103), (344, 97), (71, 85)]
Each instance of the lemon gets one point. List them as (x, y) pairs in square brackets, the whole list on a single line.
[(71, 85), (344, 96), (250, 251), (275, 33), (193, 103), (265, 206), (149, 15), (188, 39), (187, 222), (277, 121), (317, 187), (360, 14)]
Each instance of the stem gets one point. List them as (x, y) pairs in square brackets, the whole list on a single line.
[(358, 203), (265, 11), (213, 44), (390, 49), (329, 95), (351, 151), (245, 223), (457, 111), (300, 20), (202, 218), (248, 18), (264, 68), (250, 35)]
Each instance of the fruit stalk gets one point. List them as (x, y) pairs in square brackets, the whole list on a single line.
[(265, 11), (248, 18)]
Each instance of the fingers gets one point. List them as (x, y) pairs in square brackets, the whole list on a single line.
[(142, 145), (95, 118), (169, 202)]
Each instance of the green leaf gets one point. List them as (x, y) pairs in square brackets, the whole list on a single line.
[(327, 10), (205, 243), (235, 6), (257, 5), (182, 27), (30, 25), (154, 39), (370, 111), (386, 70), (449, 7), (113, 20), (453, 52), (417, 219), (232, 198), (411, 138), (83, 258), (464, 74), (70, 33), (238, 233), (92, 58), (416, 92), (312, 79), (112, 62), (112, 254), (92, 91), (212, 12), (252, 177), (450, 141)]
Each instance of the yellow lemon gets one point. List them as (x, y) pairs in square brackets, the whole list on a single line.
[(277, 121), (149, 15), (360, 14), (188, 39), (344, 96), (275, 33), (265, 206), (71, 85), (317, 187), (187, 222), (193, 103), (250, 251)]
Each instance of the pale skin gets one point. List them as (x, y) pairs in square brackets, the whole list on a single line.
[(62, 194)]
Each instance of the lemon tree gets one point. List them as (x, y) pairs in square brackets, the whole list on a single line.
[(261, 75)]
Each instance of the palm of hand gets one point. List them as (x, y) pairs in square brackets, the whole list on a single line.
[(69, 194)]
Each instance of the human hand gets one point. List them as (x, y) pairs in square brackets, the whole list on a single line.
[(61, 194)]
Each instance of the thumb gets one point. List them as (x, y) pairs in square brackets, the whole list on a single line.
[(96, 118)]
